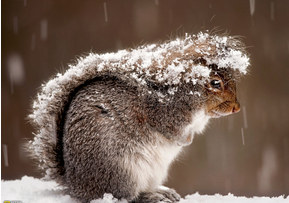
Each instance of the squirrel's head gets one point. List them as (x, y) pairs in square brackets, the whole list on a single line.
[(221, 93)]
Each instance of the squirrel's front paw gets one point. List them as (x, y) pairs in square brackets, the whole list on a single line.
[(170, 194), (162, 194)]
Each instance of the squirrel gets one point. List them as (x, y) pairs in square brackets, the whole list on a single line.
[(114, 122)]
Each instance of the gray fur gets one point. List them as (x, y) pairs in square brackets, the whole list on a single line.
[(105, 131), (106, 121)]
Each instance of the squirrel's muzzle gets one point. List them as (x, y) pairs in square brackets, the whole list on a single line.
[(224, 109), (236, 107)]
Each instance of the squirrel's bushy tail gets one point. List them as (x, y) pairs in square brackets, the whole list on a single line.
[(48, 112), (50, 106)]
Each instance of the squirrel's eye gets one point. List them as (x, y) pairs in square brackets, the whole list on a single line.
[(216, 84)]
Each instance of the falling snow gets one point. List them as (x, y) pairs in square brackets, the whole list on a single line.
[(252, 7), (243, 137), (105, 12), (15, 70), (43, 29), (5, 154), (272, 10)]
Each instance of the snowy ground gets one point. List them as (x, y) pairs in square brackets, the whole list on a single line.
[(31, 190)]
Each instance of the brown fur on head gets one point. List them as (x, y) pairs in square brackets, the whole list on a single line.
[(221, 92)]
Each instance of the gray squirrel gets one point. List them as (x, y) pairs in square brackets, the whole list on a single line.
[(114, 123)]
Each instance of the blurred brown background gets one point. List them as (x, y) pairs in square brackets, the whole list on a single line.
[(245, 154)]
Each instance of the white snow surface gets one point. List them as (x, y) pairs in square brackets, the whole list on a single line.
[(32, 190)]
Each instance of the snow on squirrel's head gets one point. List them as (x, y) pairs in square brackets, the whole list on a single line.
[(182, 60), (210, 63)]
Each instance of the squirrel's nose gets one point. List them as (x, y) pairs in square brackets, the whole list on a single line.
[(236, 107)]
